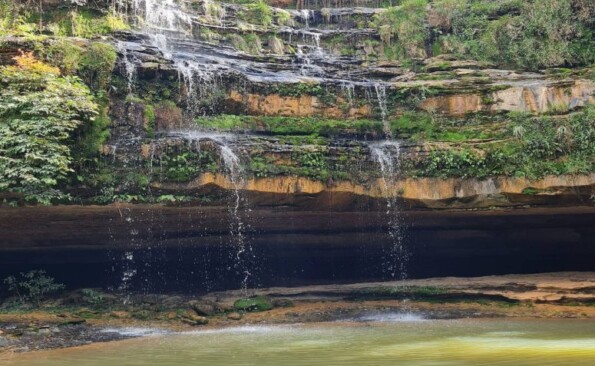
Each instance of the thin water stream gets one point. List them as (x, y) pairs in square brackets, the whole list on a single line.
[(387, 155)]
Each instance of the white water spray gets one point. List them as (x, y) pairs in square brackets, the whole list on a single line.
[(237, 226), (129, 66), (387, 155), (380, 89)]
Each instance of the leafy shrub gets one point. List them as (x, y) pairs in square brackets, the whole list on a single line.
[(65, 55), (259, 13), (39, 112), (525, 34), (32, 286), (284, 17), (179, 168), (85, 25), (97, 65), (92, 297), (530, 147)]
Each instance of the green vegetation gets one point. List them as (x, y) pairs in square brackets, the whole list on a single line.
[(417, 290), (255, 303), (525, 146), (403, 29), (258, 12), (292, 125), (297, 90), (32, 286), (40, 110), (249, 43), (420, 126), (93, 297), (525, 34), (529, 34), (25, 19), (97, 64), (88, 25)]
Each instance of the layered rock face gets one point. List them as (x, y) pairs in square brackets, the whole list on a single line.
[(222, 59)]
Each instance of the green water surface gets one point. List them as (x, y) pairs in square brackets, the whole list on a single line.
[(427, 342)]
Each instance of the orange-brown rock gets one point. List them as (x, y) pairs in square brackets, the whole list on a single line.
[(302, 106), (428, 192), (528, 96)]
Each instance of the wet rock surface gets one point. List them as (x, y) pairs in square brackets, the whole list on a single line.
[(18, 337)]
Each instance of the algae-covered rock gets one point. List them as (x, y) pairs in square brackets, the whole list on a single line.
[(141, 314), (255, 303)]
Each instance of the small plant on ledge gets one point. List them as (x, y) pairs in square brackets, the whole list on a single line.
[(32, 286)]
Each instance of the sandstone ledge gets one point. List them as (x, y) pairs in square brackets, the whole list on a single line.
[(419, 192)]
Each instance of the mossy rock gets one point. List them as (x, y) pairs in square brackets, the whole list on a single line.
[(255, 303), (141, 315)]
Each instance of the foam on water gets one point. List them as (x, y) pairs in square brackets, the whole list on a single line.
[(391, 317), (136, 331), (255, 329)]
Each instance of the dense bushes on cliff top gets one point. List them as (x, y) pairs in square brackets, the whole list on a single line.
[(26, 17), (513, 33)]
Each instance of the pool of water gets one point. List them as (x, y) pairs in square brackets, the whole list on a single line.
[(394, 340)]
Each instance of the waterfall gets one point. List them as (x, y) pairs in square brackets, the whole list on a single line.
[(203, 67), (200, 81), (162, 15), (387, 155), (306, 14), (308, 52), (348, 89), (129, 67)]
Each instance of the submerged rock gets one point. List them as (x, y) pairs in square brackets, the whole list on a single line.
[(193, 319), (4, 342), (282, 303), (234, 316)]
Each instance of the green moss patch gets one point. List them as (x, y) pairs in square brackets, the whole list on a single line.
[(253, 304)]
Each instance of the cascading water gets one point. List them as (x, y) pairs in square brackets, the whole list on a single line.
[(387, 155), (201, 83), (162, 15), (306, 14), (348, 89), (129, 66)]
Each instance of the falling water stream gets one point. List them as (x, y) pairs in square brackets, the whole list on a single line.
[(387, 155), (380, 90), (238, 210), (129, 66)]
